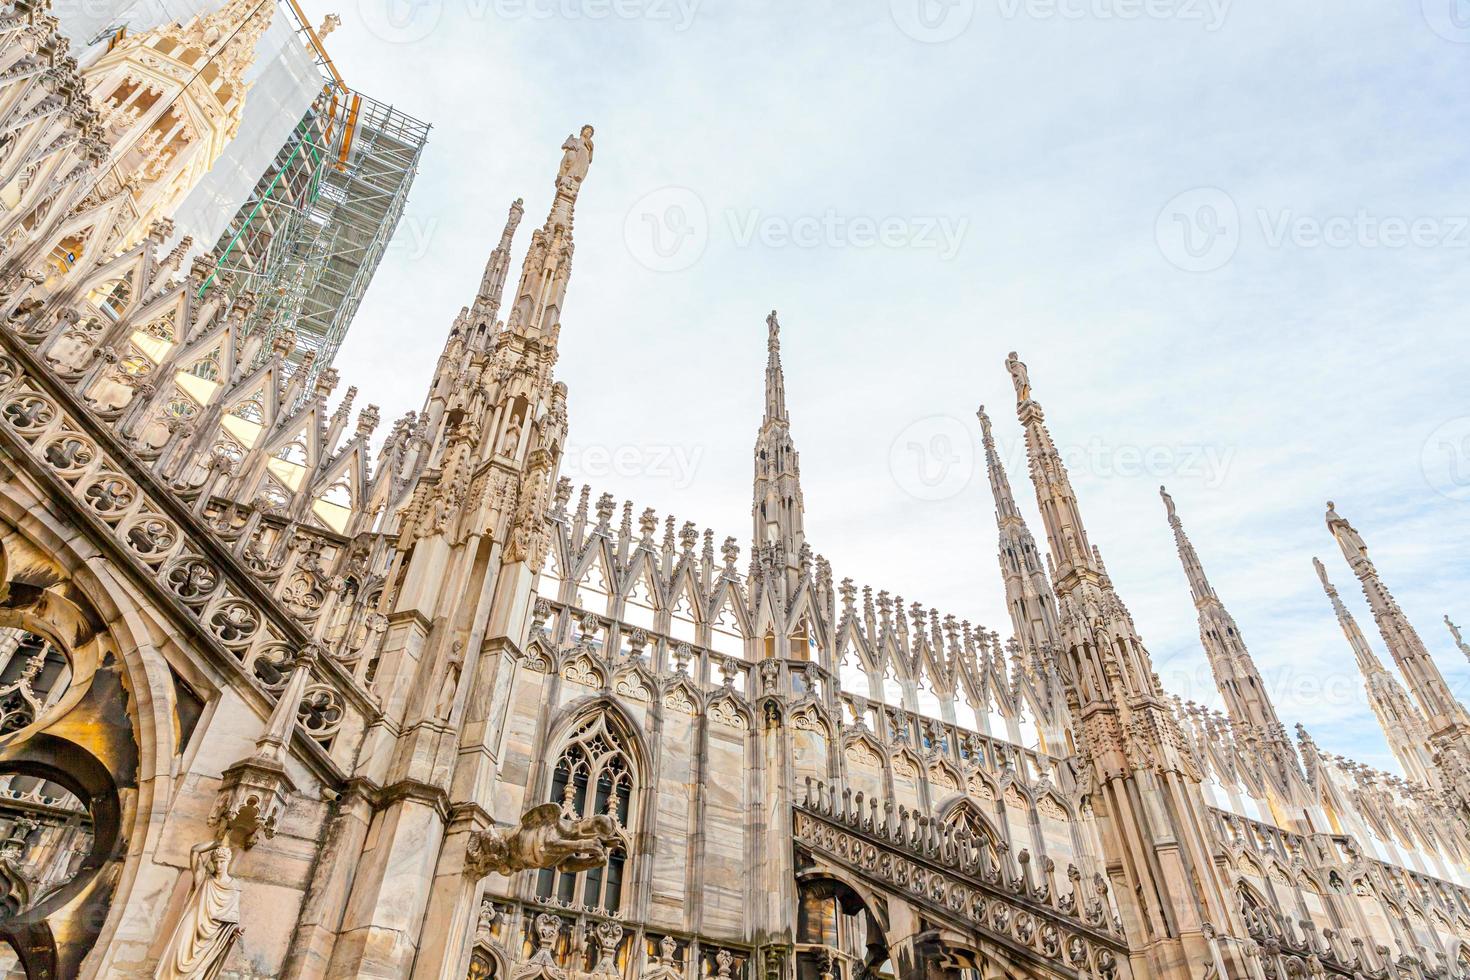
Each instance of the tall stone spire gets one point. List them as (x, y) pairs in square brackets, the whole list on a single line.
[(777, 508), (1029, 598), (497, 267), (1448, 723), (775, 377), (1402, 723), (472, 539), (1419, 669), (548, 265), (1236, 675), (1134, 767)]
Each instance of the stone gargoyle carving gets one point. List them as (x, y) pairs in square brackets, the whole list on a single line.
[(546, 838)]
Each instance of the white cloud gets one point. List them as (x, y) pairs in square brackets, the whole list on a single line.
[(1312, 371)]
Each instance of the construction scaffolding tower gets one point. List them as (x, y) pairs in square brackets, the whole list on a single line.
[(310, 236)]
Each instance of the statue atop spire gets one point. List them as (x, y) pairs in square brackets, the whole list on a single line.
[(1459, 640), (497, 267), (777, 505), (1347, 536), (548, 264), (1019, 377), (576, 157), (1029, 598), (775, 377)]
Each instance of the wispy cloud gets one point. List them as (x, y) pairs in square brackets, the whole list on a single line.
[(1258, 322)]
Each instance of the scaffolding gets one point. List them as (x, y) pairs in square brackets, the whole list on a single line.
[(308, 239)]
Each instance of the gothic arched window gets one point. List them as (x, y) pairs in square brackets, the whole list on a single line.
[(594, 775)]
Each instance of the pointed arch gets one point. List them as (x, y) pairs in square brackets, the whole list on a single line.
[(600, 767), (729, 627)]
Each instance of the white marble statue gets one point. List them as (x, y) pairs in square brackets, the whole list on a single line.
[(577, 155), (210, 924)]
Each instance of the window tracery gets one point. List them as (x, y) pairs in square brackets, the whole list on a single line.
[(593, 775), (34, 674)]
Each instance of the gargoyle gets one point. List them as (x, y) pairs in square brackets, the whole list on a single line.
[(544, 839)]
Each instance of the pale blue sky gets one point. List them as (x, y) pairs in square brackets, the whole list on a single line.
[(917, 209)]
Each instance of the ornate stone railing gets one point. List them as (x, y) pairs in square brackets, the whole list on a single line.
[(1298, 949), (155, 534), (973, 881)]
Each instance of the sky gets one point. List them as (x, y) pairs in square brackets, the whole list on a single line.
[(1228, 238)]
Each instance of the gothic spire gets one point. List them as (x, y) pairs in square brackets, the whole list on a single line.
[(1424, 678), (1401, 720), (548, 265), (1235, 671), (497, 267), (1199, 585), (1368, 662), (777, 506), (1029, 598), (1073, 560), (1000, 485), (1131, 748), (775, 378), (1448, 724)]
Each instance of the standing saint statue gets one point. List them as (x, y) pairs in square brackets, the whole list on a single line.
[(1019, 377), (577, 155), (211, 920), (1346, 534)]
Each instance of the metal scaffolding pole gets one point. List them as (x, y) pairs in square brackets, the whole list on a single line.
[(310, 236)]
